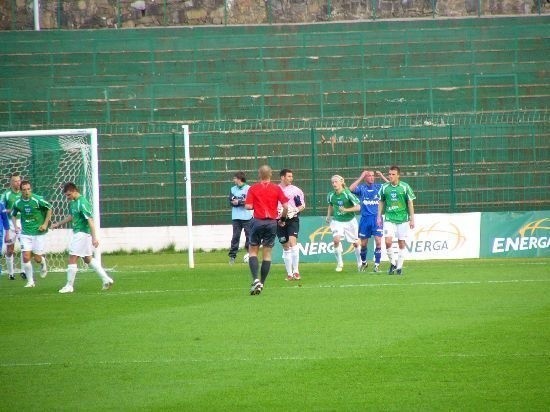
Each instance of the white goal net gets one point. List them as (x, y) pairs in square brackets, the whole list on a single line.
[(49, 159)]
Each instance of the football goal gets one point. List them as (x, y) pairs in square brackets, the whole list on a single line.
[(49, 159)]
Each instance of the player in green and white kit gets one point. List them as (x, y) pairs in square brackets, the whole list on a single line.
[(35, 214), (396, 203), (342, 205), (9, 197), (84, 238)]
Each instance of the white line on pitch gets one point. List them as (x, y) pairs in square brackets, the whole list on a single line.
[(360, 285), (449, 283), (273, 359), (298, 287), (115, 293)]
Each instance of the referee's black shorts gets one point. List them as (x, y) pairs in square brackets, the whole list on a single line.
[(263, 232)]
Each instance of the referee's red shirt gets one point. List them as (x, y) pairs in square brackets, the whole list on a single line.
[(264, 198)]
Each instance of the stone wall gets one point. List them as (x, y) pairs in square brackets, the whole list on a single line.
[(86, 14)]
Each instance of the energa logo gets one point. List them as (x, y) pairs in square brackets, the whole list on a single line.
[(533, 235), (532, 228), (320, 242), (438, 236)]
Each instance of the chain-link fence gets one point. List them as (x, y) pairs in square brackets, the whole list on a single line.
[(458, 163), (455, 163)]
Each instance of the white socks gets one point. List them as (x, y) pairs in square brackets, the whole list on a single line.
[(43, 264), (100, 271), (295, 255), (358, 255), (389, 251), (338, 253), (400, 258), (73, 269), (71, 274), (27, 268), (287, 258), (291, 257), (9, 264)]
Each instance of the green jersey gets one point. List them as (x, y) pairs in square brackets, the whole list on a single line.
[(395, 198), (33, 214), (9, 197), (81, 210), (345, 199)]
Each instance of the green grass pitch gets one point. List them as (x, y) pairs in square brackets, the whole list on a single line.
[(466, 335)]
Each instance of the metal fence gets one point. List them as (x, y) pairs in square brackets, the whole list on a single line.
[(461, 163), (458, 163)]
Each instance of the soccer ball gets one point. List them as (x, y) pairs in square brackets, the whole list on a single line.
[(245, 258)]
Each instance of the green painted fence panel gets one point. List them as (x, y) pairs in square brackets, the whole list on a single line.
[(461, 105)]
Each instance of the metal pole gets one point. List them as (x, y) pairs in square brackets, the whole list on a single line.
[(225, 12), (58, 19), (95, 187), (36, 10), (118, 16), (175, 179), (452, 170), (188, 195), (268, 11), (313, 170)]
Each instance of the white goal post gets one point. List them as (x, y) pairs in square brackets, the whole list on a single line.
[(188, 198), (49, 159)]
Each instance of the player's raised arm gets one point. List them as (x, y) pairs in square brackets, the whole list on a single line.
[(381, 176), (357, 182)]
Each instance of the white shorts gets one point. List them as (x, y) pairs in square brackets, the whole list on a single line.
[(13, 235), (345, 230), (33, 243), (398, 230), (81, 245)]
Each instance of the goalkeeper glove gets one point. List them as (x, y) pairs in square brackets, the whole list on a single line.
[(297, 201)]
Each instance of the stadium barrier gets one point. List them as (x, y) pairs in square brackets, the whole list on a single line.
[(436, 236)]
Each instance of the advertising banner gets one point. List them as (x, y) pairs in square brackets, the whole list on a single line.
[(515, 234), (435, 236)]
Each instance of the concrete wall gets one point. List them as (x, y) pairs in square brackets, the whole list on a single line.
[(80, 14)]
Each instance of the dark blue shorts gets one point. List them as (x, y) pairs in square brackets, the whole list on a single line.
[(263, 232), (368, 227)]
